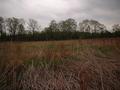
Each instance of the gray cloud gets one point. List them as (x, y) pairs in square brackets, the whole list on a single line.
[(107, 11)]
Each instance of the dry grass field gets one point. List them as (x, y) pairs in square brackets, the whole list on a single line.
[(89, 64)]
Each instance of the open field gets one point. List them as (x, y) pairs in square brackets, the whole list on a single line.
[(89, 64)]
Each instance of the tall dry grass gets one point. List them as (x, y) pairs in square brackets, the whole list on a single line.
[(65, 65)]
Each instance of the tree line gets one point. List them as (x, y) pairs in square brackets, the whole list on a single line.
[(17, 29)]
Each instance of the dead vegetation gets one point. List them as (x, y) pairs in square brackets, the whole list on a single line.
[(64, 65)]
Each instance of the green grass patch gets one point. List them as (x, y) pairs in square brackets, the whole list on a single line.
[(43, 63)]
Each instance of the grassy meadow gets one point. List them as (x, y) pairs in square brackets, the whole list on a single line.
[(85, 64)]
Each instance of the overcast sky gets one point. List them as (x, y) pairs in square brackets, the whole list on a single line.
[(105, 11)]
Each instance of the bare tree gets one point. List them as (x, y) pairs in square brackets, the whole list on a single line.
[(1, 25), (33, 25), (92, 26), (53, 26), (97, 27), (69, 25), (84, 26), (21, 28), (116, 27), (12, 25)]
